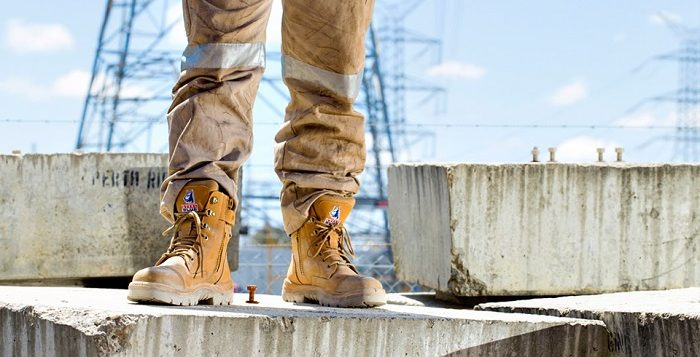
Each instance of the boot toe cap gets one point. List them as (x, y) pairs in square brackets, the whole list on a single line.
[(355, 283), (160, 274)]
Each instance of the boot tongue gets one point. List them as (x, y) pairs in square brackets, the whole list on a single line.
[(194, 196), (332, 211)]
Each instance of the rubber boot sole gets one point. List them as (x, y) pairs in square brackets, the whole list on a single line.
[(312, 294), (209, 294)]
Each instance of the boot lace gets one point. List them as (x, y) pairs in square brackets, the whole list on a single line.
[(189, 246), (334, 257)]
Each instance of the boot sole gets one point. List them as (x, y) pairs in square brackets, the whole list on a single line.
[(311, 294), (160, 293)]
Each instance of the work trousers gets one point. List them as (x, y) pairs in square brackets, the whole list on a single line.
[(320, 146)]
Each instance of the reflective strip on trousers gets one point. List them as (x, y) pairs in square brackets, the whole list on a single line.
[(343, 85), (223, 55)]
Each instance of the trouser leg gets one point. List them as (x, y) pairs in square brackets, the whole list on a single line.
[(320, 148), (210, 119)]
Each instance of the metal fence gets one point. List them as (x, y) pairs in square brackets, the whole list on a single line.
[(265, 265)]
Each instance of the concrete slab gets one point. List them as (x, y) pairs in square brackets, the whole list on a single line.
[(73, 216), (642, 323), (545, 229), (93, 322)]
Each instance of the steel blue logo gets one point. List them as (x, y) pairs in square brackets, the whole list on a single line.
[(189, 197), (333, 217), (189, 205), (335, 213)]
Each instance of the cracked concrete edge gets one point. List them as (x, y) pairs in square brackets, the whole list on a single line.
[(95, 333), (639, 323), (113, 327)]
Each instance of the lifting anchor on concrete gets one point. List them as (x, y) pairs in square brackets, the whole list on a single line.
[(552, 152), (535, 153)]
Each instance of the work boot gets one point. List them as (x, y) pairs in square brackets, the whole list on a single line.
[(321, 270), (195, 267)]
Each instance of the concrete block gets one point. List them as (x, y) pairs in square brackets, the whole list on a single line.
[(546, 229), (74, 216), (641, 323), (93, 322)]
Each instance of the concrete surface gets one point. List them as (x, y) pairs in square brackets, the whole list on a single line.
[(72, 216), (92, 322), (642, 323), (546, 229)]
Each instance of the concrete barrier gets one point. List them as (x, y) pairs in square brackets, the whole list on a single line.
[(642, 323), (546, 229), (72, 322), (75, 216)]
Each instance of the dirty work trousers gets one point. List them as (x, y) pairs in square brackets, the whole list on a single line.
[(320, 147)]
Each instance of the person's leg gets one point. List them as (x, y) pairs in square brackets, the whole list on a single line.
[(211, 114), (210, 134), (320, 150)]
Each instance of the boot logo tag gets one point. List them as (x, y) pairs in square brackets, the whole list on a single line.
[(190, 205), (333, 217)]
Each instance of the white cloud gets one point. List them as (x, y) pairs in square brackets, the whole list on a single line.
[(569, 94), (71, 84), (457, 69), (23, 37), (583, 149), (665, 17)]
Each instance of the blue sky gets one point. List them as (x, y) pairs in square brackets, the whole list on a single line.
[(502, 62)]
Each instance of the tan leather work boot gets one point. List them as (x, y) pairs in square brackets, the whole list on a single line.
[(320, 269), (195, 267)]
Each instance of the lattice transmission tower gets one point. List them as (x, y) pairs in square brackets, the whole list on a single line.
[(687, 137), (133, 71)]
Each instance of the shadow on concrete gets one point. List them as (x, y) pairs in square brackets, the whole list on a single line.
[(552, 341), (468, 302), (113, 282)]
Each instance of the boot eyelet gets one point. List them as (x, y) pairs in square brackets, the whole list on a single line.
[(210, 213), (206, 237), (214, 200)]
